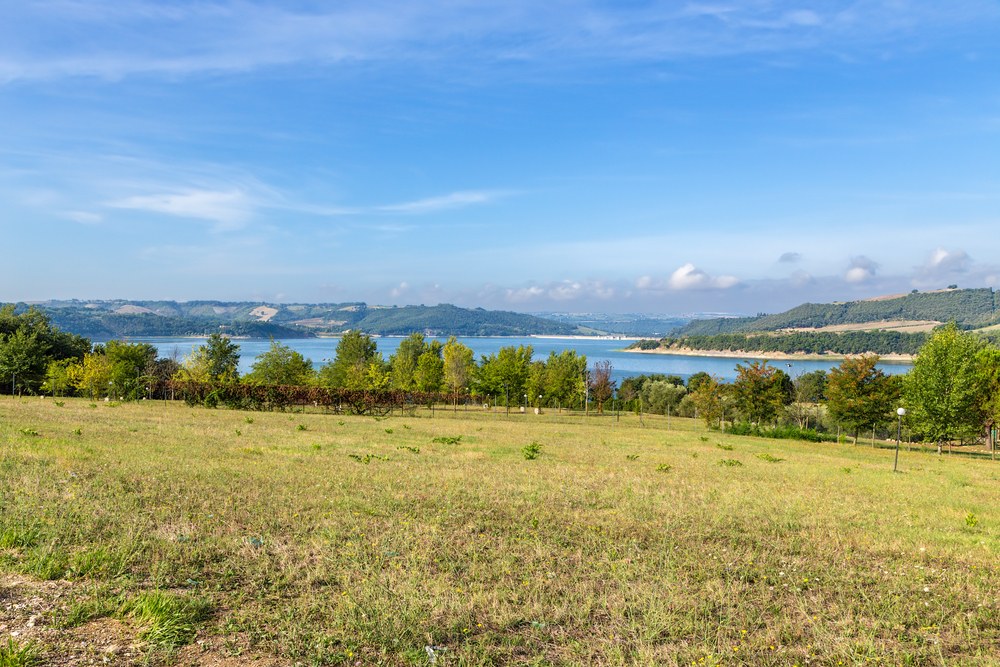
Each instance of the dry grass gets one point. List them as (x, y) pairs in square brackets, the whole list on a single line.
[(618, 544)]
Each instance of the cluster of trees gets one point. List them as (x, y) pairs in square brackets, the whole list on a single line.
[(822, 342)]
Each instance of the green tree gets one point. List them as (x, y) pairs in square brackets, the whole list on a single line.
[(352, 368), (697, 379), (404, 362), (459, 365), (430, 370), (223, 358), (659, 396), (131, 367), (565, 376), (707, 398), (944, 388), (760, 391), (859, 395), (281, 365), (504, 373), (59, 377), (93, 376)]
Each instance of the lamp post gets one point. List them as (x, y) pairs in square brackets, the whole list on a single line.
[(899, 434)]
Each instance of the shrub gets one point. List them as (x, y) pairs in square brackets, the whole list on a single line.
[(532, 451)]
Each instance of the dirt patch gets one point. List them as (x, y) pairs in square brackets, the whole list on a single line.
[(29, 613), (904, 326)]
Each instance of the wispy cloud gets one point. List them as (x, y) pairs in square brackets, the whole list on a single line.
[(229, 209), (442, 203), (41, 40)]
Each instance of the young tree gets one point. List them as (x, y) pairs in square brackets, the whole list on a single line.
[(504, 373), (602, 387), (281, 365), (564, 376), (430, 370), (223, 358), (760, 391), (131, 364), (662, 396), (707, 398), (350, 369), (404, 362), (859, 395), (459, 364), (943, 390)]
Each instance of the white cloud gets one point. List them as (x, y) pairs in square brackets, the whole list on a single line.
[(229, 209), (860, 270), (399, 290), (689, 277), (442, 203), (563, 291), (790, 257), (83, 217)]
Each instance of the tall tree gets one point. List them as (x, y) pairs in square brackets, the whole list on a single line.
[(708, 399), (564, 378), (859, 395), (943, 390), (504, 373), (404, 362)]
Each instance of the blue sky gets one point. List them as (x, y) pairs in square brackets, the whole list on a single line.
[(573, 155)]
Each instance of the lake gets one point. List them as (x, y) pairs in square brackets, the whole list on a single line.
[(624, 364)]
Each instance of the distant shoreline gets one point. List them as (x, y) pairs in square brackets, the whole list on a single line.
[(756, 354)]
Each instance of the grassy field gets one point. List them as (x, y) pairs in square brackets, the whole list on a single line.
[(158, 533)]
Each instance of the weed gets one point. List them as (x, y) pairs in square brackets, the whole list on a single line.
[(78, 431), (414, 450), (19, 536), (367, 458), (447, 440), (239, 432), (93, 405), (301, 427), (531, 451), (248, 419), (664, 467), (764, 456), (15, 654), (389, 431), (406, 426), (703, 438), (168, 620), (845, 470), (723, 447), (60, 404), (29, 431), (316, 446), (731, 463), (971, 520), (632, 457), (340, 423)]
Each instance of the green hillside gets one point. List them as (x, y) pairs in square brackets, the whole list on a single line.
[(968, 307), (117, 318)]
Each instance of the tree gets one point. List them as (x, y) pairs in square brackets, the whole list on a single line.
[(430, 370), (93, 376), (697, 379), (662, 396), (281, 365), (760, 391), (404, 362), (810, 387), (563, 379), (131, 367), (944, 388), (28, 343), (459, 364), (352, 366), (602, 387), (707, 398), (223, 358), (504, 373), (859, 395)]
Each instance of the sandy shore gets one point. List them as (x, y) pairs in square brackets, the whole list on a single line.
[(756, 354)]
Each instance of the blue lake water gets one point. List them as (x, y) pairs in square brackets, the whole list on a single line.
[(624, 364)]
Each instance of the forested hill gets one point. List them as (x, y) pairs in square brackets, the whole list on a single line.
[(112, 319), (969, 308)]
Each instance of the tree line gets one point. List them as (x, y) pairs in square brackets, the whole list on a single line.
[(951, 394)]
